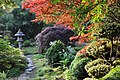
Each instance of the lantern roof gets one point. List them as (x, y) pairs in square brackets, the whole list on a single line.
[(19, 34)]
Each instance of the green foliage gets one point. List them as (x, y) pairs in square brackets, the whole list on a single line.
[(43, 71), (11, 58), (15, 43), (90, 79), (68, 56), (26, 43), (96, 11), (59, 54), (14, 72), (99, 49), (97, 68), (3, 76), (114, 74), (54, 54), (38, 56), (68, 75), (8, 5), (116, 62), (110, 31), (77, 67), (21, 19), (55, 1)]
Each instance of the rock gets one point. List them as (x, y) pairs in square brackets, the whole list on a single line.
[(30, 65)]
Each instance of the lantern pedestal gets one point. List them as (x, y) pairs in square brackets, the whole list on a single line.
[(19, 36)]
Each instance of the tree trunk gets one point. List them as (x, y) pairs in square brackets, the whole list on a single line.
[(111, 52)]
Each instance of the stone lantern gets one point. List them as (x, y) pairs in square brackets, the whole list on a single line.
[(19, 36)]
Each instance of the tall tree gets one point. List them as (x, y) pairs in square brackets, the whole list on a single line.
[(21, 19), (111, 27)]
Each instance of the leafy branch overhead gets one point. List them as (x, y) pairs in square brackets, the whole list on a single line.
[(8, 5), (74, 14)]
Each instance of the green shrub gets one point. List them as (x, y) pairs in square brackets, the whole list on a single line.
[(59, 54), (15, 43), (54, 54), (68, 75), (116, 62), (11, 58), (42, 71), (38, 56), (99, 49), (90, 79), (14, 72), (26, 43), (77, 67), (68, 56), (3, 76), (97, 68), (114, 74)]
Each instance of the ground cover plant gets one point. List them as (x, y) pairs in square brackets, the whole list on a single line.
[(30, 50), (44, 71), (12, 62)]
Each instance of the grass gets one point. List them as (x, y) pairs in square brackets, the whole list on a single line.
[(30, 50), (44, 71)]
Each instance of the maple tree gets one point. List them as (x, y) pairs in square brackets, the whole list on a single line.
[(79, 15)]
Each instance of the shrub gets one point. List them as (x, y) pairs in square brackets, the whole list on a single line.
[(59, 54), (68, 56), (77, 67), (100, 49), (3, 76), (114, 74), (54, 54), (38, 56), (97, 68), (11, 58), (26, 43), (90, 79), (116, 62), (42, 71), (14, 72), (15, 43), (68, 75)]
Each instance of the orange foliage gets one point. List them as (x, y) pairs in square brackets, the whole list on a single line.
[(82, 51), (81, 39), (60, 13), (52, 13)]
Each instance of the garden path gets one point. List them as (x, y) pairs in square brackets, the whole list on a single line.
[(29, 72)]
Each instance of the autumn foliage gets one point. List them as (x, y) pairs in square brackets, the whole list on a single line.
[(51, 12), (69, 13)]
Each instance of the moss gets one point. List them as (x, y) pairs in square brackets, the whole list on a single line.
[(114, 74)]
